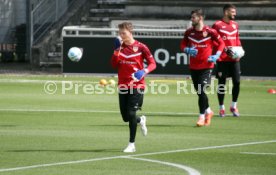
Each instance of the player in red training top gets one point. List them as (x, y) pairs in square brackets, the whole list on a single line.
[(198, 43), (128, 58), (228, 65)]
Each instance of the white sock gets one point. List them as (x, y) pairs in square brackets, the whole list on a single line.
[(131, 144), (202, 116), (221, 107), (234, 104), (208, 110)]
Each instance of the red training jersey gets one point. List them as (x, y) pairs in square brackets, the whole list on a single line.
[(229, 33), (204, 42), (129, 60)]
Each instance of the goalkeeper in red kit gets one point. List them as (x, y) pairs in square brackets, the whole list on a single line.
[(229, 65), (128, 58), (198, 43)]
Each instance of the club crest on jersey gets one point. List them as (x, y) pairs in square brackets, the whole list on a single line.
[(234, 26), (135, 48), (205, 34)]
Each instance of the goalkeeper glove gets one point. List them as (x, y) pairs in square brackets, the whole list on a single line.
[(118, 42), (229, 52), (191, 51), (138, 75), (235, 52), (214, 58)]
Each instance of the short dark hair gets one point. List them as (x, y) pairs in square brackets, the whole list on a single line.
[(228, 6), (198, 12)]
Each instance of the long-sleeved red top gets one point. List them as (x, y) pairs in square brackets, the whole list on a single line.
[(204, 41), (229, 34), (129, 59)]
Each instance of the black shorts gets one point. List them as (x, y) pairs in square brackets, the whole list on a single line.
[(228, 69), (202, 77), (131, 99)]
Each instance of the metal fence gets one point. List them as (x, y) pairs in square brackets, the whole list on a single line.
[(45, 15), (75, 31), (6, 20), (246, 28)]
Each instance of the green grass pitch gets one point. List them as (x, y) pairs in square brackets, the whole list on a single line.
[(83, 134)]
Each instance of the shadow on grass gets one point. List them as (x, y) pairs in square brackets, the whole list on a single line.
[(170, 126), (169, 115), (68, 151), (149, 125), (8, 126), (108, 125)]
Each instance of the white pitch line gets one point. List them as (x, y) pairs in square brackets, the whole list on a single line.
[(105, 111), (189, 170), (21, 81), (58, 164), (4, 80), (59, 110), (207, 148), (43, 81), (254, 153), (134, 155)]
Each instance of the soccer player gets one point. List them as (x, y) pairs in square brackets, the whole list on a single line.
[(128, 58), (226, 65), (198, 43)]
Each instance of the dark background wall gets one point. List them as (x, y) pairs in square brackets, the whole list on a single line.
[(259, 59)]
